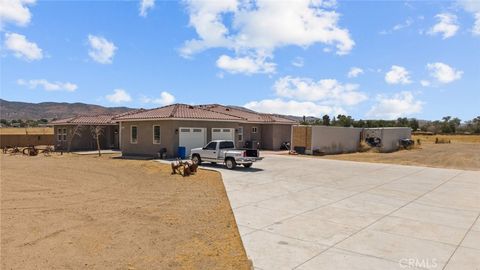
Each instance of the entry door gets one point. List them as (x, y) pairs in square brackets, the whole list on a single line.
[(223, 134), (192, 138)]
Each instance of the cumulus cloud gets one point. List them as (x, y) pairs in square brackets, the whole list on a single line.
[(146, 5), (354, 72), (473, 6), (293, 107), (101, 50), (165, 99), (22, 48), (397, 75), (399, 105), (327, 91), (247, 65), (48, 86), (119, 96), (259, 27), (15, 11), (447, 25), (444, 73)]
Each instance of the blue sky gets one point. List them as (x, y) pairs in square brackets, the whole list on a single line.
[(368, 59)]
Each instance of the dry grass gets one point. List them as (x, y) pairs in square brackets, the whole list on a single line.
[(452, 138), (25, 131), (86, 212), (456, 155)]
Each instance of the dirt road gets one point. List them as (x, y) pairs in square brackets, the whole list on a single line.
[(85, 212)]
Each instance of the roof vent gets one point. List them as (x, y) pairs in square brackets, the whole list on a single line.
[(190, 106), (228, 109)]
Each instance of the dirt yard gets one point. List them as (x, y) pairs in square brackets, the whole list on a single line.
[(462, 153), (72, 212)]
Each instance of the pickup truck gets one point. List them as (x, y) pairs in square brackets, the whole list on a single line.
[(223, 151)]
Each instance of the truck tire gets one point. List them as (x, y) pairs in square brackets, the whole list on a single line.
[(196, 159), (230, 163), (247, 165)]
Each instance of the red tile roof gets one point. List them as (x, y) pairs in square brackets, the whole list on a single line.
[(180, 111), (100, 119), (250, 116)]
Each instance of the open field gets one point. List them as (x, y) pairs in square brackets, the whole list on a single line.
[(72, 212), (462, 153)]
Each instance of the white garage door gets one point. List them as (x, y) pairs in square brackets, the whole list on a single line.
[(223, 134), (192, 138)]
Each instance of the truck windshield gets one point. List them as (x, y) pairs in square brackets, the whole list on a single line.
[(226, 145), (211, 146)]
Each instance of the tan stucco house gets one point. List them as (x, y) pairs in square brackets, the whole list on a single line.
[(164, 129)]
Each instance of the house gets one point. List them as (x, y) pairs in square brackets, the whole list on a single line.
[(164, 129), (76, 133)]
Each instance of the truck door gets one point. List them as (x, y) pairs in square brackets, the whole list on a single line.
[(210, 151)]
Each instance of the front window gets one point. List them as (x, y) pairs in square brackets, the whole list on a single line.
[(133, 134), (64, 134), (254, 129), (59, 134), (240, 134), (156, 134), (211, 146)]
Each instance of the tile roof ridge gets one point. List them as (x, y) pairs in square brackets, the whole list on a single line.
[(174, 110), (208, 109)]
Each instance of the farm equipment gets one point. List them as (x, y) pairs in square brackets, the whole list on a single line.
[(406, 143)]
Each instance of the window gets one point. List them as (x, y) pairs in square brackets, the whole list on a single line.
[(185, 130), (133, 134), (61, 134), (226, 145), (156, 134), (211, 146), (226, 130), (240, 134), (216, 130), (197, 130), (254, 129)]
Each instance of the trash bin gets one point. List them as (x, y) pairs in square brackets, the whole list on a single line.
[(182, 152)]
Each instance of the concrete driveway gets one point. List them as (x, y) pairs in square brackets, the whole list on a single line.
[(307, 213)]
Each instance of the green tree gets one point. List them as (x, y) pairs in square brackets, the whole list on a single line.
[(326, 120)]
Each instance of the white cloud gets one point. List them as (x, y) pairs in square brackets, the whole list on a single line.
[(327, 91), (425, 83), (15, 11), (408, 22), (443, 72), (48, 86), (447, 25), (298, 62), (399, 105), (473, 6), (101, 50), (397, 75), (119, 96), (292, 107), (22, 48), (145, 5), (258, 28), (165, 99), (354, 72), (247, 65)]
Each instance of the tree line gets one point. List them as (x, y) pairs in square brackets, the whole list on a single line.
[(447, 125)]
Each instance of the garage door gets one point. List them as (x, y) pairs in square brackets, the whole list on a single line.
[(192, 138), (223, 134)]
